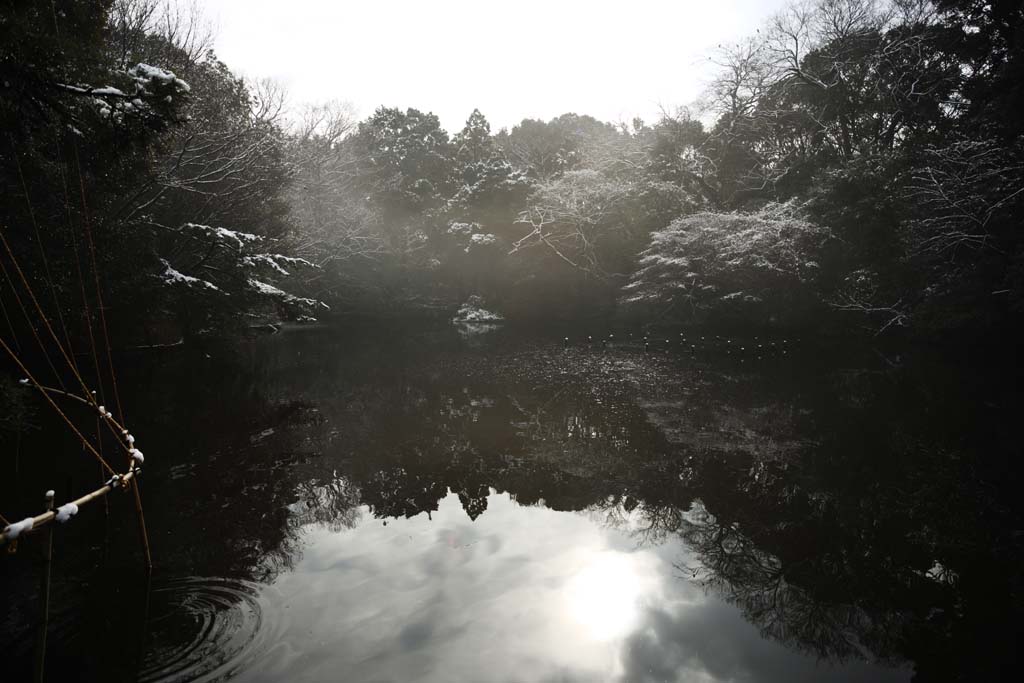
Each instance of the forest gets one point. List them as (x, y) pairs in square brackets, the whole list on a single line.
[(777, 441), (855, 166)]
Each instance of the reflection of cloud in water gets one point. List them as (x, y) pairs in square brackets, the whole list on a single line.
[(708, 642), (522, 594)]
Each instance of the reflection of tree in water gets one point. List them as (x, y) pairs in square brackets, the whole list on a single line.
[(332, 502), (240, 454), (735, 567), (397, 492), (551, 445), (232, 476), (857, 516), (874, 538)]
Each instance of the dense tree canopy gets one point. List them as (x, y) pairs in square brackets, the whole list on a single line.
[(886, 128)]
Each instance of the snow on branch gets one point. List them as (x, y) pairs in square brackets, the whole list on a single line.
[(264, 289), (963, 193), (274, 261), (268, 260), (172, 276), (149, 81), (152, 80), (709, 258), (149, 85), (236, 263), (233, 237), (292, 260)]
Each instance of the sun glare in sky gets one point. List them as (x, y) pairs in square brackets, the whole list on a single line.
[(511, 59)]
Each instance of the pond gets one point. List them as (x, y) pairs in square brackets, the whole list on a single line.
[(494, 504)]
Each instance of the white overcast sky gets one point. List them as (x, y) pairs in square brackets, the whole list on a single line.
[(512, 59)]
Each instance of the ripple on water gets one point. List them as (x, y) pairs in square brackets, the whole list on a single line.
[(206, 629)]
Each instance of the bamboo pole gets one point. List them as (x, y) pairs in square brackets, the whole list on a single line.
[(44, 602), (142, 525), (144, 625), (120, 431), (47, 517)]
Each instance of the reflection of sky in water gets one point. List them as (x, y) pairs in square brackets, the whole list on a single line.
[(521, 594)]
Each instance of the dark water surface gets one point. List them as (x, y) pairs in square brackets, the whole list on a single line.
[(493, 505)]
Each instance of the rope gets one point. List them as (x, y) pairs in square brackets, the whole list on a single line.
[(120, 432), (117, 426), (116, 479), (53, 403), (28, 319), (10, 326), (39, 309), (42, 251), (96, 279), (56, 26), (86, 311)]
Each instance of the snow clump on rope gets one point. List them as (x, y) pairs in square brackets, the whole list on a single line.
[(14, 530), (66, 512)]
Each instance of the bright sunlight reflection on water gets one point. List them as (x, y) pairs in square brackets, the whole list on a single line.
[(604, 596)]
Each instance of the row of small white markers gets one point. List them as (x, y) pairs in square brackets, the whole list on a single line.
[(758, 345)]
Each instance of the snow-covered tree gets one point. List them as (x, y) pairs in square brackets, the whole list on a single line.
[(208, 275), (755, 265), (474, 143), (334, 225)]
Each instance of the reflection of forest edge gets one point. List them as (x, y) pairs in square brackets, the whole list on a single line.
[(849, 513)]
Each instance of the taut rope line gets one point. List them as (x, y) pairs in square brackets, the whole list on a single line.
[(96, 279), (54, 405), (28, 320), (143, 534), (86, 309), (42, 252), (53, 335)]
